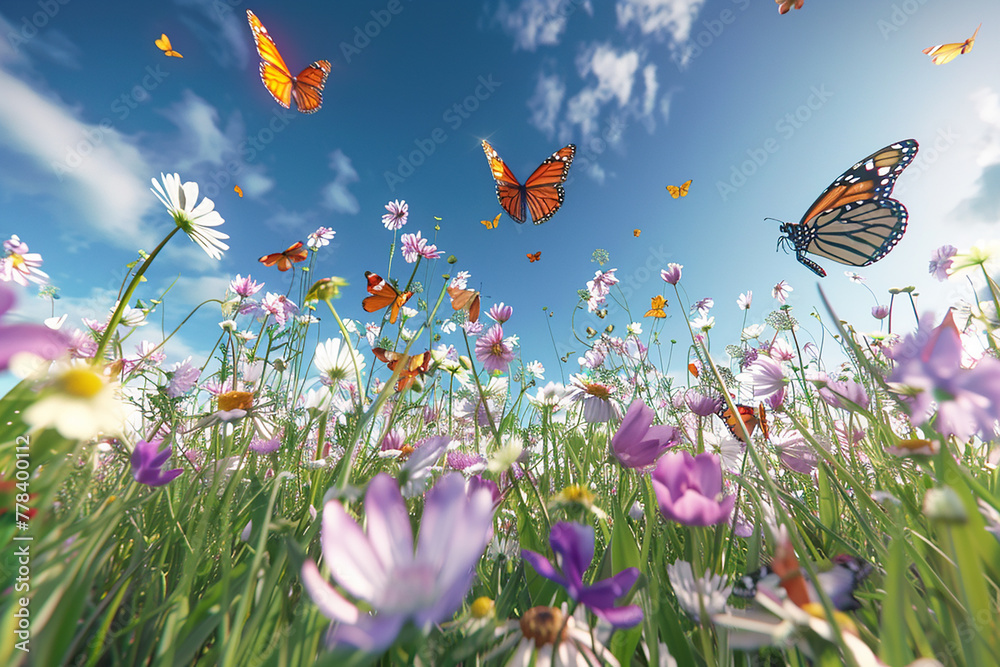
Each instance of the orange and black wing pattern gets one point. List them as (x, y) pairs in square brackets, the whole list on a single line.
[(412, 366), (296, 252), (746, 414), (306, 88), (541, 195), (383, 295)]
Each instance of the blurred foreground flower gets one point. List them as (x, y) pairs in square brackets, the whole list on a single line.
[(147, 464), (32, 339), (380, 568), (79, 401), (196, 221), (550, 636), (689, 489), (573, 545), (696, 594), (19, 265)]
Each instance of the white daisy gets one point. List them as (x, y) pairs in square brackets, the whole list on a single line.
[(196, 221)]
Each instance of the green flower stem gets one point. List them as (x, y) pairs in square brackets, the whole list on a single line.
[(116, 317)]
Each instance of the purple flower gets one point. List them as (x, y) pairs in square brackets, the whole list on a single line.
[(147, 464), (245, 287), (34, 338), (573, 545), (880, 312), (637, 443), (461, 460), (766, 376), (689, 489), (672, 274), (320, 238), (183, 377), (703, 305), (379, 567), (397, 215), (262, 446), (833, 391), (941, 261), (492, 351), (500, 313), (700, 404), (20, 265), (278, 306), (929, 369), (596, 399), (415, 246)]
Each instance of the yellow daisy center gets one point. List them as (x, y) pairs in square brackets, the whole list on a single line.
[(232, 400), (81, 383), (482, 607)]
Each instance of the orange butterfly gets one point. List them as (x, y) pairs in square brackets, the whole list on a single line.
[(679, 191), (465, 299), (383, 295), (413, 366), (765, 430), (238, 190), (945, 53), (541, 195), (163, 44), (293, 254), (746, 414), (693, 369), (656, 306), (306, 88), (492, 224), (534, 257), (636, 232)]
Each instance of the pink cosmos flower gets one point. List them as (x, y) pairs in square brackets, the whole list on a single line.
[(500, 313), (702, 306), (766, 376), (245, 287), (278, 306), (941, 261), (415, 246), (492, 351), (689, 489), (183, 376), (397, 215), (880, 312), (600, 287), (596, 399), (701, 404), (672, 274), (19, 265), (320, 238), (781, 290), (461, 280)]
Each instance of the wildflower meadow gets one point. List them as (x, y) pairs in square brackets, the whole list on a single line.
[(383, 497)]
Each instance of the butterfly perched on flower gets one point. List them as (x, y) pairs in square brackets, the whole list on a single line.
[(465, 299), (854, 221), (296, 252), (306, 88), (541, 195), (839, 581), (636, 232), (383, 295), (163, 44), (534, 257), (656, 306), (238, 190), (412, 366), (492, 224), (945, 53), (679, 190), (746, 414)]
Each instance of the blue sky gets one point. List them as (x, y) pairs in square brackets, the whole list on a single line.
[(653, 92)]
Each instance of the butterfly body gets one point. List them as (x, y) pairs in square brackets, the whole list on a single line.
[(854, 221), (541, 195), (306, 88), (383, 295)]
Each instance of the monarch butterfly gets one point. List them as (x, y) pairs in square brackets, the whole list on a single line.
[(465, 299), (854, 221), (163, 44), (413, 366), (306, 88), (746, 414), (945, 53), (657, 303), (541, 195), (293, 254), (492, 224), (679, 191), (383, 295), (534, 257), (238, 190)]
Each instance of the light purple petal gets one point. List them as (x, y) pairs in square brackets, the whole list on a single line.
[(574, 544), (542, 566), (331, 604), (388, 522), (34, 338), (708, 474), (348, 554), (621, 617), (371, 634)]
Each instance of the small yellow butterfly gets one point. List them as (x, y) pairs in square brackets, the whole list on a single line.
[(163, 43), (636, 232), (492, 224), (656, 306), (945, 53), (679, 191), (238, 190)]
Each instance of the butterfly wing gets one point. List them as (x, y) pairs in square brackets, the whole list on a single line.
[(746, 414), (636, 232), (685, 186), (544, 192), (945, 53), (382, 293), (163, 43), (238, 190), (465, 299), (534, 257), (674, 191), (854, 221), (273, 70), (307, 87), (510, 192), (272, 259)]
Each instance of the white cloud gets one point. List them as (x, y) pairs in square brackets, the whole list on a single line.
[(336, 195), (651, 88), (615, 75), (100, 168), (536, 22), (546, 102), (663, 18), (226, 35)]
